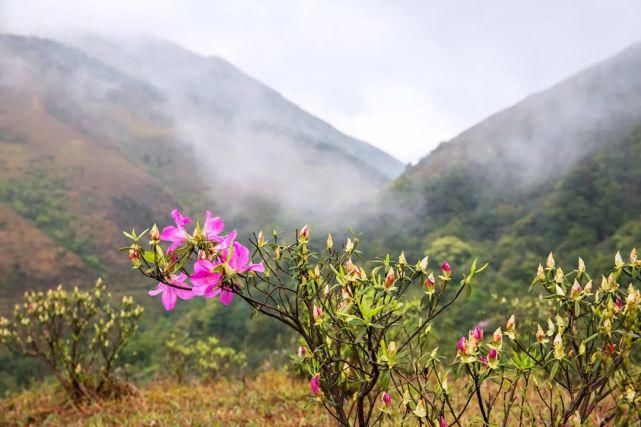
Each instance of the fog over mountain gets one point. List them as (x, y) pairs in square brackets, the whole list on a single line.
[(94, 142), (542, 137)]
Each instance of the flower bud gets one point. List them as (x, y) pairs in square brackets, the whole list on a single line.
[(260, 239), (581, 265), (510, 327), (318, 313), (550, 261), (477, 334), (349, 245), (442, 422), (401, 259), (386, 399), (391, 349), (575, 291), (559, 276), (314, 385), (330, 241), (390, 279), (559, 352), (302, 351), (492, 355), (326, 290), (540, 335), (304, 233), (430, 284), (423, 264), (633, 256), (461, 346), (497, 338), (154, 234), (633, 299), (540, 273), (609, 349), (617, 306), (445, 268), (134, 255), (618, 260), (587, 290)]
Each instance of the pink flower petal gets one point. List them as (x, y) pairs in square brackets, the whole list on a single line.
[(226, 297), (181, 220), (159, 288), (169, 298), (213, 226)]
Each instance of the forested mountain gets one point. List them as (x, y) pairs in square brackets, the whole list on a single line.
[(93, 142), (559, 171)]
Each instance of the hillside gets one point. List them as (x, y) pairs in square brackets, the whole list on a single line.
[(233, 118), (546, 134), (557, 172), (87, 149)]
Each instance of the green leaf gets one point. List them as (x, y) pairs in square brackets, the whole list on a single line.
[(555, 369)]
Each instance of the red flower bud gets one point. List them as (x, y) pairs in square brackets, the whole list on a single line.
[(133, 255), (445, 267), (387, 399)]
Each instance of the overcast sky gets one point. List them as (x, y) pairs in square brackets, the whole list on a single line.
[(402, 75)]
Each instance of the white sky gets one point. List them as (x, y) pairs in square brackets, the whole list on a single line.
[(402, 75)]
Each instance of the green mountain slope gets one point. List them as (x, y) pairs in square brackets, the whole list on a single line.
[(560, 171)]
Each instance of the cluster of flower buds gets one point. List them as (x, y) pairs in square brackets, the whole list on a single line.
[(220, 259), (469, 349)]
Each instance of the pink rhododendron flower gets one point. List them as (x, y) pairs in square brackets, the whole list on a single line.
[(445, 267), (177, 235), (170, 294), (225, 242), (237, 258), (314, 385), (442, 422), (212, 227), (205, 279), (208, 282), (386, 398)]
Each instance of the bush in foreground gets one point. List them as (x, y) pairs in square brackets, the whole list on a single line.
[(77, 334), (367, 346)]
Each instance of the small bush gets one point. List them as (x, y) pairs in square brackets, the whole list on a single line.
[(204, 358), (77, 334)]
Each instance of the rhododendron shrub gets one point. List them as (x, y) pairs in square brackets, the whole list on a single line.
[(205, 359), (366, 340), (579, 368), (362, 341), (77, 334)]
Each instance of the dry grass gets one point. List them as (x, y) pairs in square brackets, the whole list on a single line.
[(272, 398)]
